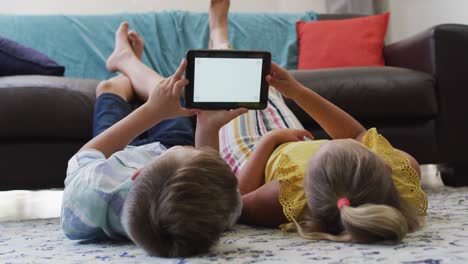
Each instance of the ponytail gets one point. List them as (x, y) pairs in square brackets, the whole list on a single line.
[(370, 223), (310, 230), (367, 223)]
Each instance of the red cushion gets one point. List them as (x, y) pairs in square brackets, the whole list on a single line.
[(342, 43)]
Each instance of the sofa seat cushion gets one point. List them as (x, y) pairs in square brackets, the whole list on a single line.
[(34, 106), (373, 93)]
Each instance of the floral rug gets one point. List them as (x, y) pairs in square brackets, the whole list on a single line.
[(443, 240)]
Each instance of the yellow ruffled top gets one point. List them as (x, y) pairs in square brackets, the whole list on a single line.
[(288, 164)]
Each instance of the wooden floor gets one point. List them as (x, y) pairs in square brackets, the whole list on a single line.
[(22, 205)]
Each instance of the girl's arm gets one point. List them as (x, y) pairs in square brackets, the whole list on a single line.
[(252, 174), (261, 207), (336, 122)]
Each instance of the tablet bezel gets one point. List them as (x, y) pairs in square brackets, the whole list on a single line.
[(189, 74)]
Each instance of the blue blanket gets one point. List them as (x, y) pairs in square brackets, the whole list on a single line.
[(83, 43)]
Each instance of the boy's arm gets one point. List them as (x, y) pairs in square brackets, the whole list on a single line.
[(120, 134), (252, 175), (209, 123), (336, 122), (163, 103)]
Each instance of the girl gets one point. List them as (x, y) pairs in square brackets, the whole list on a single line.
[(355, 187)]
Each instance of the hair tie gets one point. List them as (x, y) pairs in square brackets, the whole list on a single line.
[(343, 201)]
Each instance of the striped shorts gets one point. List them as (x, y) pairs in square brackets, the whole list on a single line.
[(239, 137)]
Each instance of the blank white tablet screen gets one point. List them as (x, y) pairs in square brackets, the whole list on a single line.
[(227, 80)]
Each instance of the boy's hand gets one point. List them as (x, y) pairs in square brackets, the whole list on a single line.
[(164, 99), (283, 81), (209, 123), (217, 118), (284, 135)]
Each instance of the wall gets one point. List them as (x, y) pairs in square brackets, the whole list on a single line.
[(408, 16), (412, 16), (116, 6)]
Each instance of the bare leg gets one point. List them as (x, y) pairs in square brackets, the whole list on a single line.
[(123, 59), (219, 10), (119, 85), (138, 44)]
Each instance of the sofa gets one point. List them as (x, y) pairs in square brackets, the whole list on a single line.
[(417, 100)]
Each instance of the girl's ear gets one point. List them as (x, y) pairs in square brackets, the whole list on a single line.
[(135, 174)]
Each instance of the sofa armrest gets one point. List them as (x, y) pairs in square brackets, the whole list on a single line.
[(441, 51), (429, 50)]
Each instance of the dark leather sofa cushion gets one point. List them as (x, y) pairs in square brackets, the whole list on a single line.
[(373, 93), (61, 108), (36, 106)]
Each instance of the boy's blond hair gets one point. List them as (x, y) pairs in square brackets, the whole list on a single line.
[(180, 208), (347, 169)]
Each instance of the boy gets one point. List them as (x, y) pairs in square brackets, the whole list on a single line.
[(173, 201)]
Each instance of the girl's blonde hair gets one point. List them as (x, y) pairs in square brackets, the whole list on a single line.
[(347, 169)]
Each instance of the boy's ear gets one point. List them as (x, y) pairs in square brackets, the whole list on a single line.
[(135, 174)]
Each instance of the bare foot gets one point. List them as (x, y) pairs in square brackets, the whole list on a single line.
[(219, 10), (136, 42), (122, 51)]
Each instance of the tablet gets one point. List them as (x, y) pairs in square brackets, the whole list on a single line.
[(227, 79)]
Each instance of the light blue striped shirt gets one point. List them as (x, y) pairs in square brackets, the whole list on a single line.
[(96, 188)]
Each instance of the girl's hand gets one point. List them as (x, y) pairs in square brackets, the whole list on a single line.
[(164, 99), (284, 135), (283, 81)]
